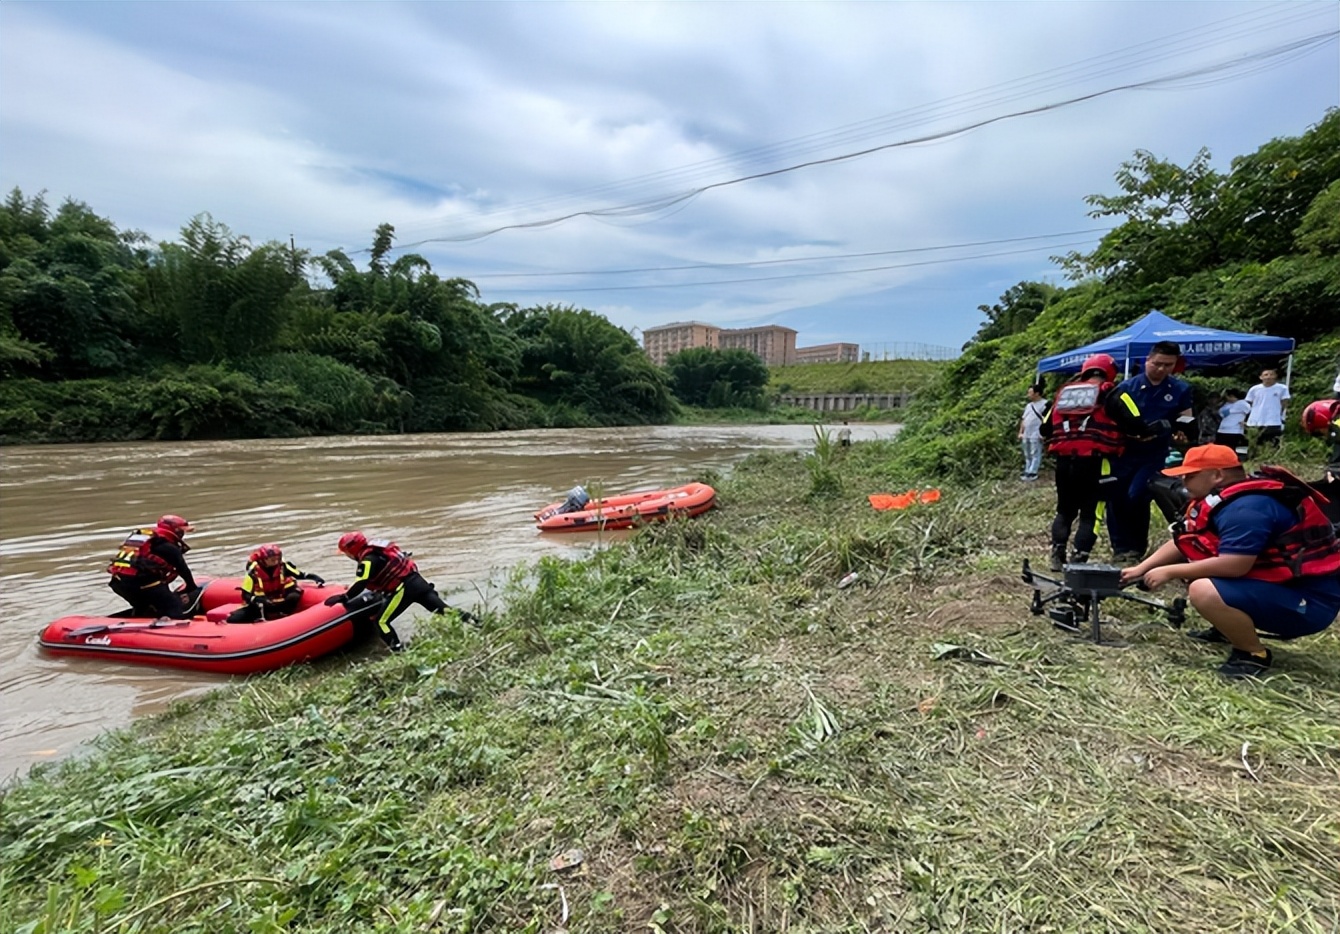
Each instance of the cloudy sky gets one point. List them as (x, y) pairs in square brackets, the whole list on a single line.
[(864, 172)]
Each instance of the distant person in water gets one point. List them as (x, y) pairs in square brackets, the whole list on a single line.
[(844, 435), (148, 561)]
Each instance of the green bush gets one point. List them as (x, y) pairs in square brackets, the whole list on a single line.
[(32, 411)]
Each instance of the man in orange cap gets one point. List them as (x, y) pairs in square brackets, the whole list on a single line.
[(1257, 552)]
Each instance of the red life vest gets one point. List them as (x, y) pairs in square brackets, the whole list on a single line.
[(273, 584), (398, 566), (1080, 425), (136, 559), (1308, 548)]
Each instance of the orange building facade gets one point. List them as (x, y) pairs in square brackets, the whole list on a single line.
[(668, 339), (773, 344)]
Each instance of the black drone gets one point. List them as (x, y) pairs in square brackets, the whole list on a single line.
[(1077, 595)]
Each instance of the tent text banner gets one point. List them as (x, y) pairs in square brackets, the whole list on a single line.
[(1201, 346)]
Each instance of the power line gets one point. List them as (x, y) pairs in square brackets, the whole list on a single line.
[(801, 275), (1174, 45), (1246, 64), (779, 262)]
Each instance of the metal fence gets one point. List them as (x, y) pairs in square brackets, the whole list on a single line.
[(904, 350)]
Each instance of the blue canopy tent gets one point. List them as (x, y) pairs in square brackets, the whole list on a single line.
[(1201, 346)]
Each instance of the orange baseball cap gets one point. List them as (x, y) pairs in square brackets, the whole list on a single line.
[(1205, 457)]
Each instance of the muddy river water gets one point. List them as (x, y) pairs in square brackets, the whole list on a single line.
[(461, 502)]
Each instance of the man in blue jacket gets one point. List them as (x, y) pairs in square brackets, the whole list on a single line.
[(1162, 399)]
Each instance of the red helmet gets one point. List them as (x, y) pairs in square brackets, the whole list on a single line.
[(352, 544), (1318, 416), (1101, 362), (173, 527), (266, 552)]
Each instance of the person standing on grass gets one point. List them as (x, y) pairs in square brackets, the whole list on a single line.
[(1269, 399), (1089, 422), (1233, 414), (1030, 431), (1162, 399), (1258, 553)]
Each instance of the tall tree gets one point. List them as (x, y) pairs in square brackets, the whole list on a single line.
[(67, 284), (229, 299), (1173, 223), (1017, 309), (707, 376), (1270, 192), (399, 320), (578, 359)]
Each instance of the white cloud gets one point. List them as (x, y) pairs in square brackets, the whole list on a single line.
[(325, 120)]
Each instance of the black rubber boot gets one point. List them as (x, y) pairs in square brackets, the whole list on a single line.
[(1058, 557)]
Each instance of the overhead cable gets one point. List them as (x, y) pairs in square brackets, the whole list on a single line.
[(779, 262), (1253, 61), (803, 275), (1175, 45)]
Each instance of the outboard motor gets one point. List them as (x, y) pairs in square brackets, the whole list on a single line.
[(577, 499)]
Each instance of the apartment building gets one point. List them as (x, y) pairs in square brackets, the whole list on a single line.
[(829, 353), (662, 341), (772, 343)]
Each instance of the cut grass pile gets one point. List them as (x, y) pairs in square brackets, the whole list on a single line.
[(734, 744)]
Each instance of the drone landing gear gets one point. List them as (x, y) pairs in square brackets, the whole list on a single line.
[(1077, 598)]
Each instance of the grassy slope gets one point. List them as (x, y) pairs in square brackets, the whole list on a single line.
[(875, 376), (661, 706)]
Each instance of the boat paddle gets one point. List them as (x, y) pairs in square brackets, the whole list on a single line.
[(121, 627)]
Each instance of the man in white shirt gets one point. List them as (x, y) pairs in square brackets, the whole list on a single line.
[(1030, 432), (1268, 400)]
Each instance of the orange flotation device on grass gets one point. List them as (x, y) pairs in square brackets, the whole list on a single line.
[(903, 500)]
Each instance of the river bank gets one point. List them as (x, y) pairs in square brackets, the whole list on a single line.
[(733, 743), (461, 502)]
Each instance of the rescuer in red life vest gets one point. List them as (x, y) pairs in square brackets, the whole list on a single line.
[(1086, 425), (147, 562), (384, 568), (1259, 554), (270, 586)]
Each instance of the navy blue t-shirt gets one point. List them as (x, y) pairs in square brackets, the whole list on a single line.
[(1163, 401), (1248, 523)]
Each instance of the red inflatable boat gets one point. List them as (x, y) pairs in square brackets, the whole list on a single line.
[(208, 643), (621, 512)]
